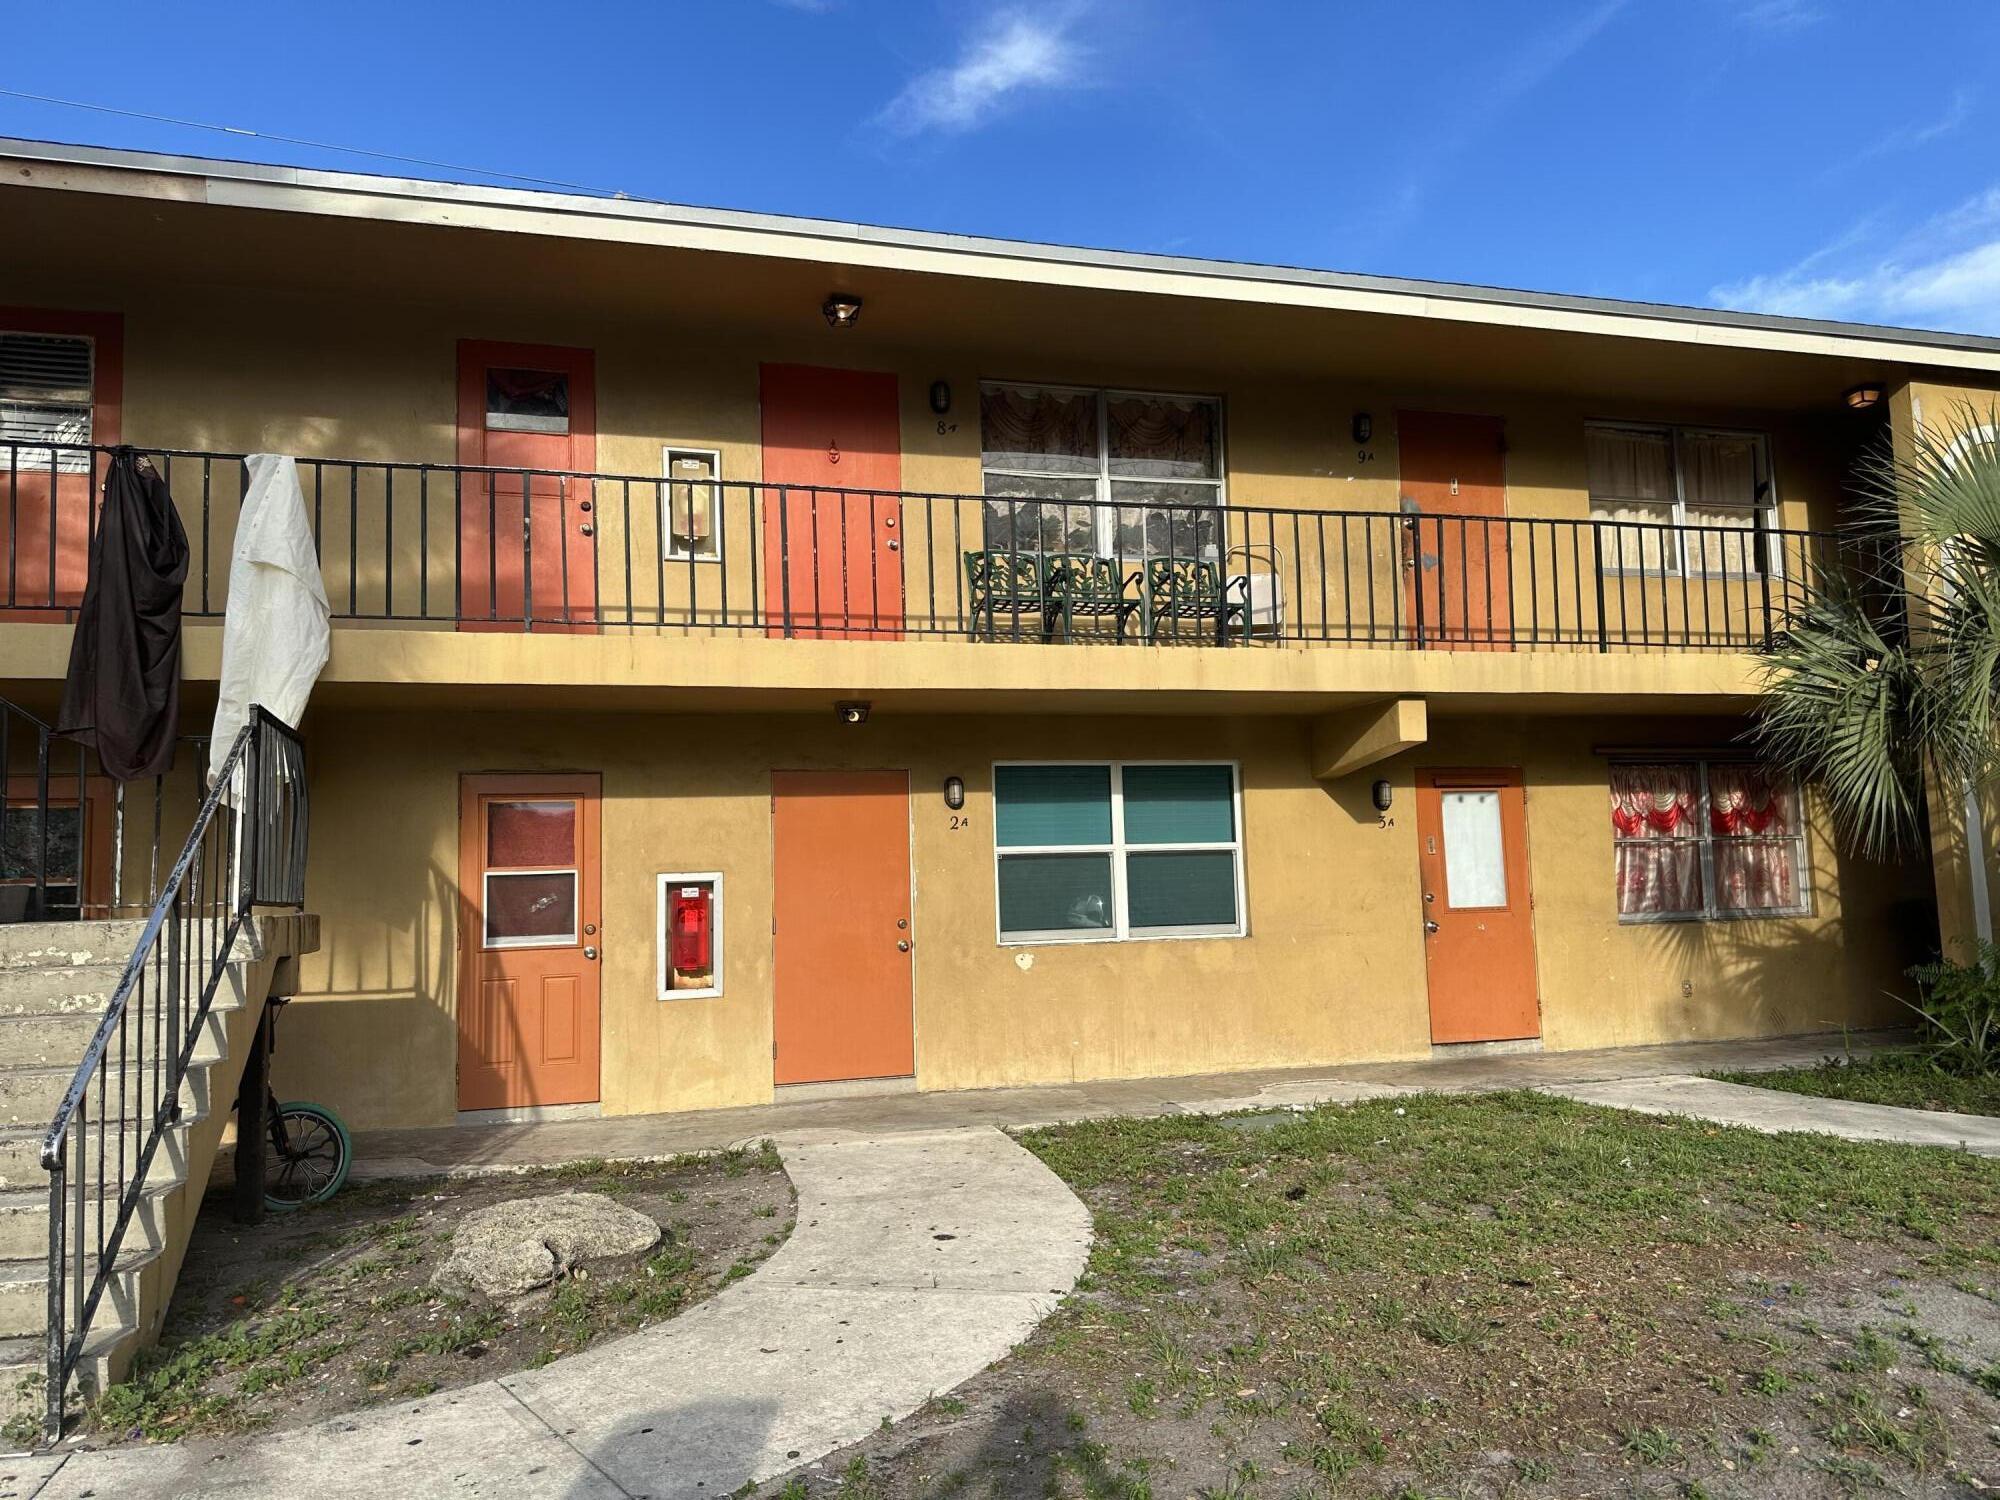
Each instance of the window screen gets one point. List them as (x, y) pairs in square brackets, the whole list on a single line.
[(45, 385)]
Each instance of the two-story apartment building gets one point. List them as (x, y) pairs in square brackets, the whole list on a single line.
[(776, 654)]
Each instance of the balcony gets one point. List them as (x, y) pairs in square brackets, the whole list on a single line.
[(447, 547)]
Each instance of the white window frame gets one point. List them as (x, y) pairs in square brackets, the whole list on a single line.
[(1121, 929), (567, 940), (668, 453), (64, 463), (1676, 566), (713, 880), (1705, 841), (1105, 517)]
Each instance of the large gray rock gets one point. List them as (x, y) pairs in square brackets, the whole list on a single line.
[(511, 1248)]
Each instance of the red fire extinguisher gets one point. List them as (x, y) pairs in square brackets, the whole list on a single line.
[(690, 928)]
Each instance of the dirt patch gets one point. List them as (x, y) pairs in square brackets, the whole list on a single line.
[(1501, 1296), (330, 1310)]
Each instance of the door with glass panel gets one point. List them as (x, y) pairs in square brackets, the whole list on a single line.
[(1479, 939), (527, 536), (528, 994), (1128, 476)]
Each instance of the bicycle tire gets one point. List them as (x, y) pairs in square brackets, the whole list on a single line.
[(320, 1170)]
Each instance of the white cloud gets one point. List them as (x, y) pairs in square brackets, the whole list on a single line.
[(1944, 274), (1781, 15), (1910, 137), (1013, 54)]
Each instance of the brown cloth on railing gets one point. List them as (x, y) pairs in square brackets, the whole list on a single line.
[(124, 690)]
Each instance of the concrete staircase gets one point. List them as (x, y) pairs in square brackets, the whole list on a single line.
[(56, 980)]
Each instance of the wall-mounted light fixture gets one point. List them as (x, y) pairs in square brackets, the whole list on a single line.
[(1861, 397), (1384, 794), (1364, 426), (940, 396), (852, 711), (841, 309), (954, 792)]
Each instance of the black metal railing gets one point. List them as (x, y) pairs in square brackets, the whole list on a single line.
[(454, 546), (246, 848)]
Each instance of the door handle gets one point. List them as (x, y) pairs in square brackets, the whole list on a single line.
[(590, 953), (1430, 926), (902, 945)]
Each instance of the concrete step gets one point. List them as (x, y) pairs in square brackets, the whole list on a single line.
[(51, 1041), (35, 945), (107, 1352), (58, 989), (29, 1096), (24, 1222)]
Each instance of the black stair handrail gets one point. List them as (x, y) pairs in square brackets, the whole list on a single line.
[(246, 847)]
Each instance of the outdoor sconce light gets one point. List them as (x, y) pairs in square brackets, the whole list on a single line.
[(940, 396), (852, 711), (1384, 794), (1861, 397), (841, 310), (954, 792), (1364, 427)]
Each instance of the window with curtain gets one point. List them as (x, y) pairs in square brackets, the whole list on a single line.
[(1117, 850), (45, 395), (1707, 840), (1047, 452), (1692, 497)]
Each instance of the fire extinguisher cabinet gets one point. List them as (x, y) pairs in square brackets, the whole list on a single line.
[(690, 935)]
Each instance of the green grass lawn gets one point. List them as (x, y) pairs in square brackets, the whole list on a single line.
[(1507, 1295), (1895, 1078)]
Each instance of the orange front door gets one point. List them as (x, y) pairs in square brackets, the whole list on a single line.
[(526, 563), (833, 523), (65, 371), (1479, 943), (1457, 578), (528, 941), (841, 914)]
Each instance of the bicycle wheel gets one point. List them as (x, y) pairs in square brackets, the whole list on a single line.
[(308, 1157)]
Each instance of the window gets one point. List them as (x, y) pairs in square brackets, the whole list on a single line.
[(691, 519), (527, 401), (1716, 482), (1157, 458), (531, 875), (45, 386), (1706, 840), (1109, 851)]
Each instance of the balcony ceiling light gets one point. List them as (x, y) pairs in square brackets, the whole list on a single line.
[(1861, 397), (841, 310)]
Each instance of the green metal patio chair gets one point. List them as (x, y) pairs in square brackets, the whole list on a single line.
[(999, 582), (1188, 588), (1083, 585)]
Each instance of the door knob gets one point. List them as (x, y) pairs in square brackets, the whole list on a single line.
[(902, 945), (590, 953), (1430, 926)]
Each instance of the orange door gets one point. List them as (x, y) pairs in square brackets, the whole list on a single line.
[(1479, 944), (66, 371), (527, 564), (79, 858), (1454, 473), (833, 550), (841, 918), (528, 941)]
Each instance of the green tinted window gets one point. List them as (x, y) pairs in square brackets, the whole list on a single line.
[(1055, 893), (1180, 805), (1051, 805), (1181, 889)]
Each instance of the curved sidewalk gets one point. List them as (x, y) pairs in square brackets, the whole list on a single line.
[(917, 1260)]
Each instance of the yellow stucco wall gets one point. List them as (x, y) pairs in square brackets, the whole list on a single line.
[(1332, 969)]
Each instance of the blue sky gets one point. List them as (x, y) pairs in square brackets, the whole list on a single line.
[(1818, 157)]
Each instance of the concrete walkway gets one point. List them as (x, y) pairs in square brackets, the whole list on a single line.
[(455, 1149), (918, 1259), (1774, 1112)]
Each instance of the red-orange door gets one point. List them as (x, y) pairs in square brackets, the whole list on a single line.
[(77, 859), (1479, 933), (1456, 573), (833, 524), (841, 855), (526, 564), (529, 944), (63, 374)]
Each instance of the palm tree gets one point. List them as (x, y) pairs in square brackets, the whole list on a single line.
[(1888, 679)]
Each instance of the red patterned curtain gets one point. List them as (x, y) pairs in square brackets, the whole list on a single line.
[(1754, 818), (1655, 817)]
